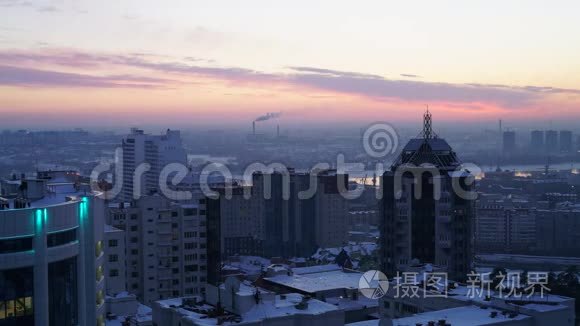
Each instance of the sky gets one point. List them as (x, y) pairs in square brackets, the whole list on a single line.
[(186, 62)]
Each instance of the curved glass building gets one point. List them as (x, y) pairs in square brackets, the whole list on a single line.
[(51, 255)]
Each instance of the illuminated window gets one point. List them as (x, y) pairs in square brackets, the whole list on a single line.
[(28, 305), (9, 308), (19, 307), (98, 248)]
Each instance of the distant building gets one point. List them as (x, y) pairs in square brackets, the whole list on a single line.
[(501, 229), (166, 254), (277, 226), (537, 141), (566, 141), (297, 227), (51, 254), (552, 141), (558, 232), (416, 225), (509, 142), (155, 150)]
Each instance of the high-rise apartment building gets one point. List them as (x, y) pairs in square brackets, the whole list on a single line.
[(424, 216), (157, 151), (537, 141), (166, 254), (551, 141), (296, 226), (504, 229), (272, 224), (51, 253), (566, 141), (509, 142)]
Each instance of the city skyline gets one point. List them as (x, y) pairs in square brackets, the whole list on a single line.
[(225, 64)]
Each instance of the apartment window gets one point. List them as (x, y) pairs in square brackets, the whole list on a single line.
[(114, 273), (190, 245), (191, 268), (175, 270), (189, 291), (190, 234), (134, 227), (134, 240), (202, 234), (174, 259), (175, 282), (134, 251), (190, 257), (190, 211), (113, 258), (134, 274), (113, 243), (174, 225), (135, 286)]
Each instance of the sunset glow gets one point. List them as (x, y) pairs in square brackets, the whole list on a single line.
[(91, 63)]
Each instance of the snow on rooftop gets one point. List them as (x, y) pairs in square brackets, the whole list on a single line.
[(249, 264), (317, 282), (462, 316), (144, 314), (373, 322), (281, 306), (346, 304), (316, 269)]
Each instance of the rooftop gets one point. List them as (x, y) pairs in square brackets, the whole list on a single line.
[(317, 282), (54, 194), (279, 306), (468, 316)]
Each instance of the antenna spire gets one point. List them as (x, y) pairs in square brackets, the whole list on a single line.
[(427, 129)]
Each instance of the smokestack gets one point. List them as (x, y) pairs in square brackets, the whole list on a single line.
[(253, 127), (278, 131)]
